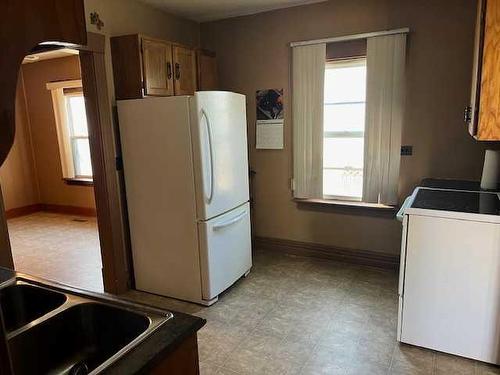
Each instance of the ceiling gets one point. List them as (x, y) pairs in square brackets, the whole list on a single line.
[(211, 10)]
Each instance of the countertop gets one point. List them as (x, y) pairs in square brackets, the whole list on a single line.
[(154, 348)]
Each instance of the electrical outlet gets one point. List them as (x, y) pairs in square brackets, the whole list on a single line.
[(406, 150)]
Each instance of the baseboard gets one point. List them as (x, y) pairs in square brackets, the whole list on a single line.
[(69, 210), (22, 211), (56, 208), (313, 250)]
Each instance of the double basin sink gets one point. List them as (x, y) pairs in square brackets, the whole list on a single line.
[(52, 331)]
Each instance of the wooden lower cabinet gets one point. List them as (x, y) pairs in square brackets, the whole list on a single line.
[(182, 361)]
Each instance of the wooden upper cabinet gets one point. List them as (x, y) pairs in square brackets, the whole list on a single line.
[(184, 70), (127, 66), (157, 68), (144, 66), (207, 70), (484, 114)]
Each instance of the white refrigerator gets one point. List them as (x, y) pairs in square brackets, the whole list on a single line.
[(186, 176)]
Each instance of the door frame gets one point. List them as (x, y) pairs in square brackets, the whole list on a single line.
[(110, 202), (112, 217)]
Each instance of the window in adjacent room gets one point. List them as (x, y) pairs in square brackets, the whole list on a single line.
[(72, 129), (344, 129)]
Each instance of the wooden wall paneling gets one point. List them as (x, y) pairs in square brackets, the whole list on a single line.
[(157, 67), (489, 104), (184, 70)]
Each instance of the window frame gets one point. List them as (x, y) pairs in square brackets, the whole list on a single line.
[(338, 63), (67, 150), (73, 138)]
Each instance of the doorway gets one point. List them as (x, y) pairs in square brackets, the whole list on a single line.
[(47, 179), (110, 205)]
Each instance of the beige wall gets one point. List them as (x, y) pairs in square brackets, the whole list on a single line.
[(131, 16), (17, 174), (53, 190), (253, 53), (121, 17)]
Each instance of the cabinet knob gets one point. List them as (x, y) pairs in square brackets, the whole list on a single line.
[(177, 71)]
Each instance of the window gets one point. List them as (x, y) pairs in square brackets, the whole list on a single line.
[(344, 129), (72, 129), (78, 134)]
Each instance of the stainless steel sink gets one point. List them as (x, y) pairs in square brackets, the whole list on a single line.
[(22, 303), (53, 331)]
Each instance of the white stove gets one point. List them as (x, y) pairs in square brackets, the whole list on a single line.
[(449, 283), (452, 203)]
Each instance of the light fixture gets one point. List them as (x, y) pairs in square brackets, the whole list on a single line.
[(31, 58)]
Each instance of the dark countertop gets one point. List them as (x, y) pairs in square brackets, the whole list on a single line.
[(458, 201), (442, 183), (154, 348)]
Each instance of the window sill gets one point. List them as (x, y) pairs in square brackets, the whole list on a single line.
[(79, 181), (348, 205)]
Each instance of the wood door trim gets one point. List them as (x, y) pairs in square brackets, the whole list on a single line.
[(111, 217)]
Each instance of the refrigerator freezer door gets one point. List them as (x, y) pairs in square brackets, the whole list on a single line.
[(225, 250), (219, 133)]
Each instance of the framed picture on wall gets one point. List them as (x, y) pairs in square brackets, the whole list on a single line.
[(269, 103), (270, 114)]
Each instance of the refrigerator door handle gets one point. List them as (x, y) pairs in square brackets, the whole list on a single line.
[(229, 222), (209, 197)]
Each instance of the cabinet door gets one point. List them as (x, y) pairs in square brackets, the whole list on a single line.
[(488, 128), (472, 112), (157, 68), (207, 70), (184, 70)]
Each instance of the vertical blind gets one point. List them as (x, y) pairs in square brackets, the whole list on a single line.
[(308, 76), (386, 56), (385, 71)]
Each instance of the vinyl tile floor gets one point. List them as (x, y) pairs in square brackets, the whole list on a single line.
[(62, 248), (295, 315)]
